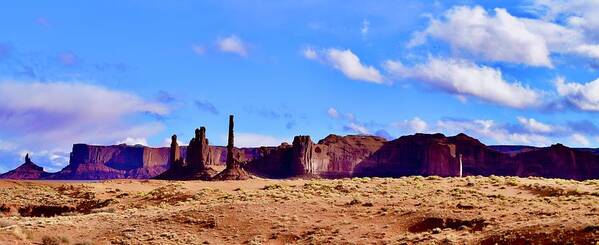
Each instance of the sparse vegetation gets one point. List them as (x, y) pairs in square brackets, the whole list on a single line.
[(354, 210), (51, 240)]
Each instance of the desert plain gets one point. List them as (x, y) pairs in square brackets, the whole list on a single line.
[(407, 210)]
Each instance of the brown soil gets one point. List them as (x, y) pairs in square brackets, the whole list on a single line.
[(408, 210)]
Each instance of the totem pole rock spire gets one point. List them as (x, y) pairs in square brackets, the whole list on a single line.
[(233, 170), (230, 144)]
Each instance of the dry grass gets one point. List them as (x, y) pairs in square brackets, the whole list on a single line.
[(416, 209)]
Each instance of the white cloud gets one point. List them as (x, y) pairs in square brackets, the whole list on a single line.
[(365, 27), (591, 51), (465, 78), (583, 96), (533, 125), (233, 44), (488, 129), (414, 125), (133, 141), (166, 142), (349, 64), (357, 128), (52, 116), (582, 14), (310, 53), (499, 37), (255, 140), (198, 49), (580, 140), (332, 112)]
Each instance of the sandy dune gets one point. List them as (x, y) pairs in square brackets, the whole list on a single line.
[(407, 210)]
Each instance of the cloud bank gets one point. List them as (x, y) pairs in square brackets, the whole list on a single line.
[(462, 77), (49, 117)]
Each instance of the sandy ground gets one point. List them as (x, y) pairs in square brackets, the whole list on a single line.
[(410, 210)]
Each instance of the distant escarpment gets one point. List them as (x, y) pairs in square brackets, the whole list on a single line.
[(94, 162), (332, 157), (419, 154)]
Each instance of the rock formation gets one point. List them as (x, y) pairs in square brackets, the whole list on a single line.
[(175, 159), (233, 171), (332, 157), (195, 166), (27, 170), (114, 162), (419, 154), (198, 155)]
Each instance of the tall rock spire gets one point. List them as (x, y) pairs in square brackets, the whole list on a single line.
[(233, 170), (27, 159), (175, 154), (202, 149), (231, 161)]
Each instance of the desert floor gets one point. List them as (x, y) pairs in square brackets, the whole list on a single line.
[(469, 210)]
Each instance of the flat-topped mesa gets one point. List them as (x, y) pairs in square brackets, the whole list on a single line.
[(233, 170)]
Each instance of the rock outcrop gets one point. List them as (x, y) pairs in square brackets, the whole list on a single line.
[(332, 157), (195, 167), (557, 161), (27, 170), (90, 162), (233, 171), (419, 154), (174, 158)]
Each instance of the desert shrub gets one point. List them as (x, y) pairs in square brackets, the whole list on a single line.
[(548, 190), (354, 201), (51, 240), (433, 177), (272, 187), (5, 223), (83, 243), (512, 181)]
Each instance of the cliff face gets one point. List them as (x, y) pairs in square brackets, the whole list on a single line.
[(333, 157), (337, 156), (558, 161), (131, 162), (117, 161), (419, 154)]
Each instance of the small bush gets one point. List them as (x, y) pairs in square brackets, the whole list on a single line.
[(5, 223), (50, 240), (272, 187)]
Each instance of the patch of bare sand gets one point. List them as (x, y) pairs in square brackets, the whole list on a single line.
[(468, 210)]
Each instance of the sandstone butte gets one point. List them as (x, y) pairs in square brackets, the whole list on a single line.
[(332, 157)]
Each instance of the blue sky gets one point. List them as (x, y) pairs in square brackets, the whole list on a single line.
[(514, 72)]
